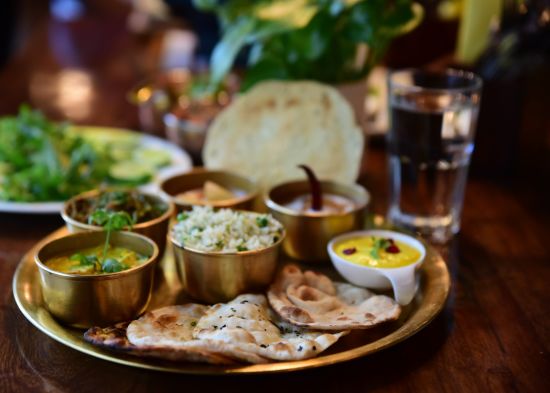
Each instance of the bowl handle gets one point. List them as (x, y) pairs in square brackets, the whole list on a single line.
[(404, 284)]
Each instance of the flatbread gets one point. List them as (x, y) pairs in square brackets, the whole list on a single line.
[(247, 323), (245, 330), (312, 300), (114, 338), (265, 133), (175, 327)]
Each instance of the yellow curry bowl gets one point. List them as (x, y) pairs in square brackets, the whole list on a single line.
[(246, 190), (401, 279), (97, 299), (308, 234), (156, 229), (214, 277)]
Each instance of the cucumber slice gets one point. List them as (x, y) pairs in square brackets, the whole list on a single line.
[(154, 157), (131, 172)]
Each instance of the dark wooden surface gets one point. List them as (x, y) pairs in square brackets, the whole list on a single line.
[(493, 336)]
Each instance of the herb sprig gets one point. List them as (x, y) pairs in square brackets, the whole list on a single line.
[(111, 222), (387, 245)]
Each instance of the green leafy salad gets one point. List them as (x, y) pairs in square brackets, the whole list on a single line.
[(46, 161)]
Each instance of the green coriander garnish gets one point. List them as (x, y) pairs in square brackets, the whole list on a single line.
[(182, 216), (262, 221), (110, 221), (378, 244)]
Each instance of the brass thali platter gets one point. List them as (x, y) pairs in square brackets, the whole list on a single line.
[(434, 284)]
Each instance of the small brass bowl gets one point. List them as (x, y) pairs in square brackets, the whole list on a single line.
[(101, 299), (178, 184), (155, 229), (308, 234), (214, 277)]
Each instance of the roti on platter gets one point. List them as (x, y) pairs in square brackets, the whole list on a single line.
[(310, 299), (242, 330)]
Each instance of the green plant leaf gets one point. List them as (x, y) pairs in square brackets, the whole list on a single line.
[(111, 265), (98, 217), (312, 40), (226, 50), (206, 5), (120, 220), (266, 69)]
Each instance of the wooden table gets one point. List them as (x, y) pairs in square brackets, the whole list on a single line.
[(493, 335)]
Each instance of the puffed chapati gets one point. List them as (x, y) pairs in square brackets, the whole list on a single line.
[(312, 300), (265, 133)]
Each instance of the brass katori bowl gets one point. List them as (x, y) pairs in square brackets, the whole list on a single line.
[(309, 234), (156, 229), (196, 178), (214, 277), (100, 299)]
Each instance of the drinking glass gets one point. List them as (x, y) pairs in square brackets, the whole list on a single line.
[(433, 119)]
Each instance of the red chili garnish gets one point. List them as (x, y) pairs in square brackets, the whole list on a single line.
[(393, 249), (315, 189), (349, 251)]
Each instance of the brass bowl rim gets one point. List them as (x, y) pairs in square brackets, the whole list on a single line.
[(104, 276), (270, 203), (95, 192), (249, 195), (219, 254)]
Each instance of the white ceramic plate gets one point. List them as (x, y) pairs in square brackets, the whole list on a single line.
[(180, 162)]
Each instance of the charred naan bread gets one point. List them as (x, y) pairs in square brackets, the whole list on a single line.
[(265, 133), (248, 324), (114, 338), (313, 300), (244, 329), (175, 327)]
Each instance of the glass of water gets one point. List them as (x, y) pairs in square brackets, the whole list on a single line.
[(433, 119)]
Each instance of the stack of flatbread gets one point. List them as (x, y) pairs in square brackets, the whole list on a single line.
[(309, 314)]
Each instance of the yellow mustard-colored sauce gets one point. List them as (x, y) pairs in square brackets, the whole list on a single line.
[(72, 264), (373, 251)]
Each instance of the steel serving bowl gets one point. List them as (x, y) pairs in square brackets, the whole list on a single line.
[(101, 299), (308, 234), (214, 277), (178, 184), (156, 229)]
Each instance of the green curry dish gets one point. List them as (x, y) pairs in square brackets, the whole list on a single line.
[(139, 206), (90, 261)]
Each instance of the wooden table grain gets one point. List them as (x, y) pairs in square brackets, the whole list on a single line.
[(492, 336)]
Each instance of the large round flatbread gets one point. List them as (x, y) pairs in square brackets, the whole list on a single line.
[(310, 299), (265, 133)]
